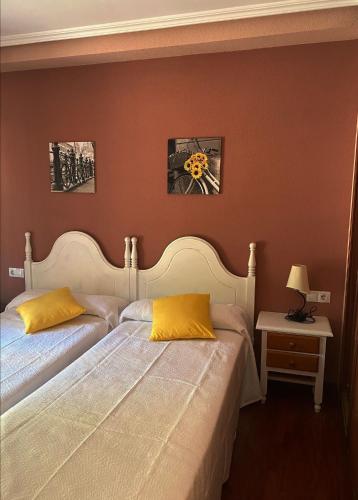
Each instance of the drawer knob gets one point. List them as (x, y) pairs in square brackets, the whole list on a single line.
[(292, 344)]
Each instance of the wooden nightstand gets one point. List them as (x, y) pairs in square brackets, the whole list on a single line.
[(293, 352)]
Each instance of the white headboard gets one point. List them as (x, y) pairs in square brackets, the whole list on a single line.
[(77, 261), (191, 264)]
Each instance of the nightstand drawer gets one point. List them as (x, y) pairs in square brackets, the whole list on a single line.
[(297, 343), (288, 361)]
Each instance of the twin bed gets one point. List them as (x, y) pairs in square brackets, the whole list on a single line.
[(28, 361), (130, 418)]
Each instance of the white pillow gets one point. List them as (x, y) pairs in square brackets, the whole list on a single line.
[(229, 317), (24, 296), (223, 316), (106, 307), (139, 310)]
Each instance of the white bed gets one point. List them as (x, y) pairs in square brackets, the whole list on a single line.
[(28, 361), (134, 419)]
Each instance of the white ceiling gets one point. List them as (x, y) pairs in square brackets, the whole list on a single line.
[(67, 18), (26, 16)]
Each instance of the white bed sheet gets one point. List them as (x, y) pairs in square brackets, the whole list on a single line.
[(28, 361), (130, 419)]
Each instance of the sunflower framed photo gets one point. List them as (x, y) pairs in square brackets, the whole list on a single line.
[(194, 165)]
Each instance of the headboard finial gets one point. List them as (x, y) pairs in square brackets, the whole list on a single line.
[(252, 260), (134, 255), (28, 249), (127, 252)]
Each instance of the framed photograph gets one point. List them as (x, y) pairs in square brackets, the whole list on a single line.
[(72, 167), (194, 165)]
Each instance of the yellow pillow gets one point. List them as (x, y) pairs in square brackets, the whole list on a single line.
[(182, 317), (49, 309)]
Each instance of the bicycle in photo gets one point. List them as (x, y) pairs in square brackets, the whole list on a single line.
[(189, 173)]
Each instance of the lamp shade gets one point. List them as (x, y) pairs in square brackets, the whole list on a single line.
[(298, 278)]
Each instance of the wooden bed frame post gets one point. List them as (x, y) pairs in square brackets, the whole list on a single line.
[(250, 289), (134, 254), (127, 252), (252, 260), (28, 262), (133, 276)]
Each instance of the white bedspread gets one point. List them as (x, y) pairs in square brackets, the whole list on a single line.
[(28, 361), (130, 419)]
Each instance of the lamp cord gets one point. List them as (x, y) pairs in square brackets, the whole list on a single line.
[(309, 317)]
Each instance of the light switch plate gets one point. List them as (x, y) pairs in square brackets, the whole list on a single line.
[(16, 272), (312, 296)]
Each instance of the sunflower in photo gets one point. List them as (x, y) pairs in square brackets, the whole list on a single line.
[(196, 164), (196, 170), (188, 164), (200, 157)]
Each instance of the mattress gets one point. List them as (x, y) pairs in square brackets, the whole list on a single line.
[(131, 419), (28, 361)]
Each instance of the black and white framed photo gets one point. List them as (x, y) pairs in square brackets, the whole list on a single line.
[(72, 167), (194, 165)]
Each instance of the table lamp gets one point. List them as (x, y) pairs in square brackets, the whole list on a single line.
[(298, 280)]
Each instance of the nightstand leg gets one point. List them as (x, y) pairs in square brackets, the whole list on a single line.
[(317, 408), (263, 374), (318, 388), (318, 391), (263, 382)]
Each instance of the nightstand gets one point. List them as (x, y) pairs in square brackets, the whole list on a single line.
[(293, 352)]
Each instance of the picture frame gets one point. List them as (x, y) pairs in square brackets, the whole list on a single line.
[(194, 165), (72, 167)]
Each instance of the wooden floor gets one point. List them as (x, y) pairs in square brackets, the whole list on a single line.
[(287, 452)]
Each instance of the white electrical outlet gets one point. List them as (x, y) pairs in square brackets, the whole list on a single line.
[(16, 272), (315, 296), (324, 297)]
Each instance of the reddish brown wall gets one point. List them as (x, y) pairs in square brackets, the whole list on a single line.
[(288, 118)]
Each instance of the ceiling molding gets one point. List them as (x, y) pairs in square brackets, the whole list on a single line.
[(186, 19)]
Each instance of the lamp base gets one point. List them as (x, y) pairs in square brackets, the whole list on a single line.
[(300, 316)]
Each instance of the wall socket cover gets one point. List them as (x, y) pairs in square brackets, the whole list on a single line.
[(316, 296), (16, 272), (324, 297)]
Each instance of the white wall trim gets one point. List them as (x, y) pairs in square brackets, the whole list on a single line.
[(186, 19)]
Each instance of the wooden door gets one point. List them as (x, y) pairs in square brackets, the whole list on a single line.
[(349, 361), (353, 419)]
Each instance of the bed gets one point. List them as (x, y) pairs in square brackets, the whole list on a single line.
[(134, 419), (76, 261)]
